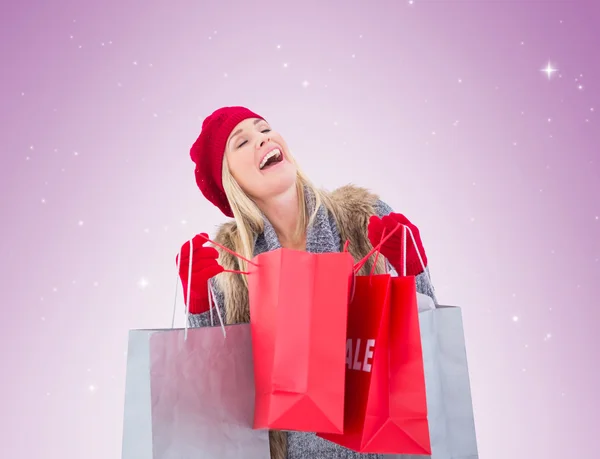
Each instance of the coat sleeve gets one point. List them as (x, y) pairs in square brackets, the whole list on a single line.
[(204, 319), (423, 280)]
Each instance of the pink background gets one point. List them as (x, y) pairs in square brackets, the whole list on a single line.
[(440, 107)]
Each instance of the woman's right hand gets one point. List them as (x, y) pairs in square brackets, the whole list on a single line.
[(204, 266)]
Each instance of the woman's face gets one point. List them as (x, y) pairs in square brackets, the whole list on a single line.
[(258, 160)]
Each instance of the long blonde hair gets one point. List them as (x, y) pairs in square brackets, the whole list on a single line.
[(249, 218)]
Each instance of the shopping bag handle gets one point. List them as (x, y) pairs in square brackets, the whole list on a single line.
[(383, 240), (187, 302), (362, 262), (235, 254)]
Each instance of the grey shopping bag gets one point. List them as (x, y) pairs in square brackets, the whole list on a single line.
[(448, 389), (191, 397)]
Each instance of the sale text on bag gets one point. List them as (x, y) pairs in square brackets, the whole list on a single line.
[(359, 356)]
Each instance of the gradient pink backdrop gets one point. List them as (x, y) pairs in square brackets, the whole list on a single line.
[(440, 107)]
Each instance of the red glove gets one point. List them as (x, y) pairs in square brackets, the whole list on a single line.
[(204, 266), (392, 248)]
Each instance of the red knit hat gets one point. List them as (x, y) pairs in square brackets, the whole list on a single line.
[(208, 152)]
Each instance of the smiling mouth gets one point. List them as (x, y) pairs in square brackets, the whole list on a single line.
[(273, 157)]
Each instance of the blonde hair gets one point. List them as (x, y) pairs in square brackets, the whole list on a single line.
[(249, 218)]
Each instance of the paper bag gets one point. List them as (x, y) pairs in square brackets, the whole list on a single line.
[(191, 398), (298, 314)]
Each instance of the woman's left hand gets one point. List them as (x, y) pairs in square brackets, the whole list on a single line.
[(392, 248)]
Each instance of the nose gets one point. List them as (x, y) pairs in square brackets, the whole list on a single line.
[(263, 139)]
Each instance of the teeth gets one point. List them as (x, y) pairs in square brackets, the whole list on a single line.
[(268, 156)]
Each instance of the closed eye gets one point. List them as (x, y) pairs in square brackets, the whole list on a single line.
[(264, 131)]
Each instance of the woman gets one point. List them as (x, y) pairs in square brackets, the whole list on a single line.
[(246, 169)]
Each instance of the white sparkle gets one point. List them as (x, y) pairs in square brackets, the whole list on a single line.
[(155, 115), (549, 120), (43, 201), (455, 123), (549, 70), (285, 65), (43, 319), (460, 80), (146, 230), (278, 46), (548, 336), (92, 388), (75, 153), (514, 144), (27, 158), (134, 62), (353, 56), (580, 87), (210, 37), (432, 132), (184, 222), (522, 43), (335, 124), (22, 93), (305, 83), (143, 283), (591, 109), (472, 219), (95, 284), (515, 318), (80, 223), (54, 289), (360, 36), (48, 394), (225, 75)]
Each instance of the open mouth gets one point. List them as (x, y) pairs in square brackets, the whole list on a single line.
[(270, 159)]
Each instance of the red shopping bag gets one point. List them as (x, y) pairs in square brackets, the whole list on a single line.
[(385, 402), (298, 318)]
